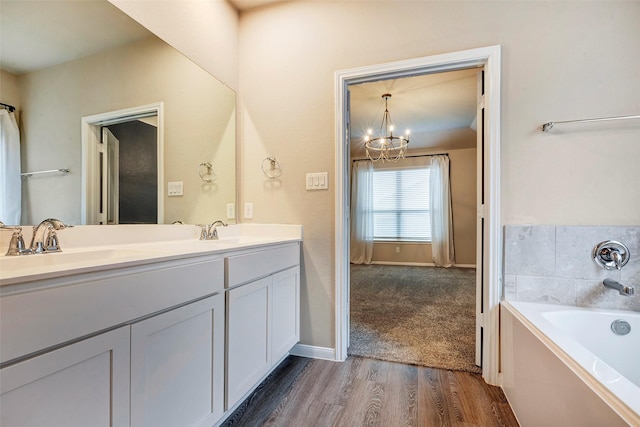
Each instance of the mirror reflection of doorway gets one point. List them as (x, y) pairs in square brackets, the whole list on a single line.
[(129, 172), (136, 196)]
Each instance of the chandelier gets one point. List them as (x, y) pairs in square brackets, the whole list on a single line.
[(387, 146)]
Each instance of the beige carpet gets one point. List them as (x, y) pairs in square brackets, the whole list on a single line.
[(417, 315)]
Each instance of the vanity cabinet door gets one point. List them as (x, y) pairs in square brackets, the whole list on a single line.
[(82, 384), (248, 345), (285, 313), (177, 366)]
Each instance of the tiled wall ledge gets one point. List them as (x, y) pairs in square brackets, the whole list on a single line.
[(553, 264)]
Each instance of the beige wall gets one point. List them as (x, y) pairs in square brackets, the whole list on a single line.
[(560, 61), (9, 91), (206, 31), (199, 127), (463, 205)]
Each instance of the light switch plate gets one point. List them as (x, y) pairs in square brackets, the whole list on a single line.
[(317, 181), (175, 188)]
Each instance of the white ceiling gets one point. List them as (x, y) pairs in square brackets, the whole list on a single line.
[(438, 109), (38, 34)]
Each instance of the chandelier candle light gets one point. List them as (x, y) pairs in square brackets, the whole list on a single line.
[(387, 146)]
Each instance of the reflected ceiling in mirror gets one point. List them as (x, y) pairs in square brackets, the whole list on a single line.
[(120, 66)]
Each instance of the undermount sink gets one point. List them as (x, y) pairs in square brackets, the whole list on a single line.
[(64, 258)]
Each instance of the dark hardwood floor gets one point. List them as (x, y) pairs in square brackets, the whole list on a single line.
[(307, 392)]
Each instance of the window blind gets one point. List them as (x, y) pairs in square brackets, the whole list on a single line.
[(401, 204)]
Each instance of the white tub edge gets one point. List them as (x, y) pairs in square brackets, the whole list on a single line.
[(613, 401)]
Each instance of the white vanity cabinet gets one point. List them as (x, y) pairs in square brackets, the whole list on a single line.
[(248, 346), (263, 312), (285, 312), (140, 346), (151, 335), (83, 384), (177, 366)]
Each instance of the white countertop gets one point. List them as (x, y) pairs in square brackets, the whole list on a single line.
[(88, 249)]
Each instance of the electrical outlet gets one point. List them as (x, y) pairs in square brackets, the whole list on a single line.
[(397, 249), (248, 210), (231, 210)]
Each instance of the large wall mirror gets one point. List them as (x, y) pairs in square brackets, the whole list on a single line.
[(67, 63)]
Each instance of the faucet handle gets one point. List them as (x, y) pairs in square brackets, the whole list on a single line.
[(16, 244), (51, 245), (611, 255), (204, 231)]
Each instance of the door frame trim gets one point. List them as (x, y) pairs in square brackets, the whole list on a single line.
[(91, 135), (490, 58)]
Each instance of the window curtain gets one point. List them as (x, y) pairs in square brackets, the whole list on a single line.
[(362, 212), (10, 181), (441, 214)]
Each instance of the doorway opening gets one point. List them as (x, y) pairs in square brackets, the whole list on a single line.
[(489, 263), (122, 175), (404, 305), (129, 167)]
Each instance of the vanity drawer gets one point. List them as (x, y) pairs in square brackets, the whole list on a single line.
[(247, 267), (73, 308)]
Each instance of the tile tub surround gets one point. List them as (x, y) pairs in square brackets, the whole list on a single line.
[(553, 264)]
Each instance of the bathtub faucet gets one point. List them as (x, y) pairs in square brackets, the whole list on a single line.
[(627, 291)]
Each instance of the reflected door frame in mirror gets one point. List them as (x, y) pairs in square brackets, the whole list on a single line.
[(91, 138)]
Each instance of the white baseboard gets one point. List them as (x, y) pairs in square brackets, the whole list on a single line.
[(413, 264), (313, 352), (419, 264), (465, 266)]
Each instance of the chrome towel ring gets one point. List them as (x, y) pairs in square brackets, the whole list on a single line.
[(207, 172)]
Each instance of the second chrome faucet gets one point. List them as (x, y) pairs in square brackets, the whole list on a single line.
[(210, 232)]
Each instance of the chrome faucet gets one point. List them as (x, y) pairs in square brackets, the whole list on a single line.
[(45, 238), (627, 291), (213, 231), (210, 232)]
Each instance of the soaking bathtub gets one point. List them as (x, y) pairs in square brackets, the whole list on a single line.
[(564, 366)]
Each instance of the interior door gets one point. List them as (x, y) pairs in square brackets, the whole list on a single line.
[(110, 189), (480, 219)]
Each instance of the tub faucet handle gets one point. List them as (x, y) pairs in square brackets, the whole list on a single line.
[(611, 255), (617, 259)]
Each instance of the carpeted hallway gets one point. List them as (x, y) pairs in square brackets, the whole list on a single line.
[(417, 315)]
